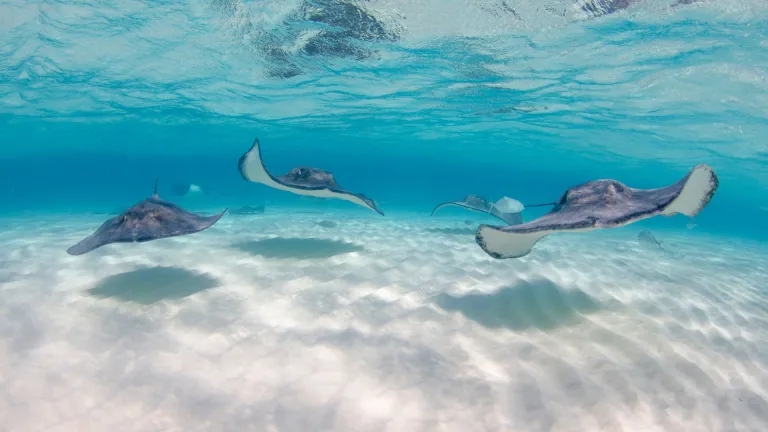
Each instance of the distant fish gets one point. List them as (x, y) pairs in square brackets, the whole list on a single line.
[(150, 219), (645, 237), (306, 181), (602, 204), (691, 225)]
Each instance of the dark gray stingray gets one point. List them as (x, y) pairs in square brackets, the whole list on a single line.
[(148, 220), (482, 205), (301, 181), (645, 237), (602, 204), (248, 210)]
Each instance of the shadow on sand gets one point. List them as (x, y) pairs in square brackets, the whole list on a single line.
[(148, 285), (297, 248), (539, 304)]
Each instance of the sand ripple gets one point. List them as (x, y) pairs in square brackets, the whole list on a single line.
[(274, 323)]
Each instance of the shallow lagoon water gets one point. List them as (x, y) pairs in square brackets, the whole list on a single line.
[(319, 315)]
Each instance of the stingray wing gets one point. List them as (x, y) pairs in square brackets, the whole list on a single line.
[(104, 235), (461, 204), (688, 196), (479, 204), (515, 218)]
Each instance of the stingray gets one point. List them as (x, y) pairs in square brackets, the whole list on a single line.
[(601, 204), (645, 237), (150, 219), (306, 181), (248, 210), (507, 209)]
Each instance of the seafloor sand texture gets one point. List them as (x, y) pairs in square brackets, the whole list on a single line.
[(379, 324)]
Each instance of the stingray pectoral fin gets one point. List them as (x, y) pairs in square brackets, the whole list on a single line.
[(509, 218), (87, 244), (445, 204), (252, 168), (206, 222), (358, 199), (501, 244), (697, 191)]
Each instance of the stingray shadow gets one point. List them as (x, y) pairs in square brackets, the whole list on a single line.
[(297, 248), (452, 231), (539, 304), (148, 285)]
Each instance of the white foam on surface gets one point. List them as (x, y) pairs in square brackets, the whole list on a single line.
[(387, 324)]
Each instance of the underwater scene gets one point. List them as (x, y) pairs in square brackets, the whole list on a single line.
[(384, 215)]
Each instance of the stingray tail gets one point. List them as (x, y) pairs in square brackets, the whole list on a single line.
[(540, 205), (156, 179)]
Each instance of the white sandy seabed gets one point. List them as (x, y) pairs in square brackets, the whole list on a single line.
[(273, 323)]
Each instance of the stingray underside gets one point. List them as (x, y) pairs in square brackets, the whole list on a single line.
[(601, 204), (151, 219), (305, 181)]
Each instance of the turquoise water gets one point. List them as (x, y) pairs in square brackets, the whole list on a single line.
[(98, 100), (412, 103)]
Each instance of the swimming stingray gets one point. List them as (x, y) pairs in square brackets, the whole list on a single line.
[(507, 209), (248, 210), (301, 180), (148, 220), (601, 204)]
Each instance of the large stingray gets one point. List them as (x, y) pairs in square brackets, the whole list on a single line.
[(602, 204), (301, 180), (151, 219)]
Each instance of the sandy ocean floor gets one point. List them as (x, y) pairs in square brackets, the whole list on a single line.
[(273, 323)]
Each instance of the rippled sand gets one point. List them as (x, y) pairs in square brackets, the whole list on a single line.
[(274, 323)]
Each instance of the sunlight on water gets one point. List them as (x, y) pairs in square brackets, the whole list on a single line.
[(295, 313)]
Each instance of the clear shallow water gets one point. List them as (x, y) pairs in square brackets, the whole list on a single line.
[(407, 101), (412, 103)]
